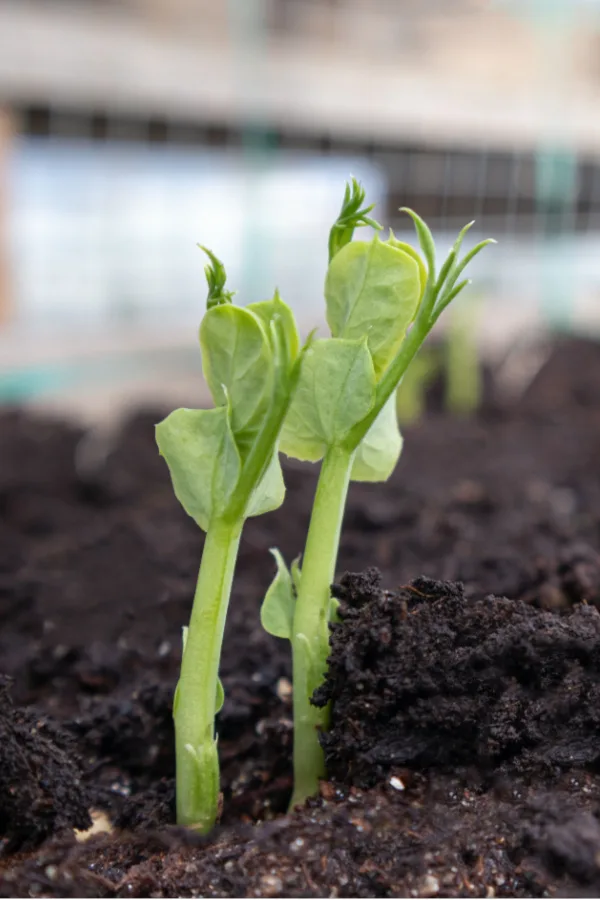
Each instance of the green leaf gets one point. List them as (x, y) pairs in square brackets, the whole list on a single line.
[(425, 237), (334, 605), (335, 391), (220, 696), (238, 366), (380, 449), (203, 459), (450, 291), (315, 665), (407, 248), (296, 574), (277, 610), (269, 494), (275, 313), (373, 290)]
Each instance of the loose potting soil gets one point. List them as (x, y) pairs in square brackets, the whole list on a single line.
[(464, 680)]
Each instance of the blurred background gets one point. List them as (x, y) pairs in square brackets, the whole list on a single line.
[(130, 130)]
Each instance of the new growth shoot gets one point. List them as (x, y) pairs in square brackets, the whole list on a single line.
[(455, 359), (382, 300), (224, 467), (464, 385)]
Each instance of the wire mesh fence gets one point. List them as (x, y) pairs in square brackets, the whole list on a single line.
[(106, 204)]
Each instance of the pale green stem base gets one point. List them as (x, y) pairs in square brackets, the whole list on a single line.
[(197, 774), (310, 641)]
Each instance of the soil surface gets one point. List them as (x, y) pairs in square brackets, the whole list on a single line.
[(465, 696)]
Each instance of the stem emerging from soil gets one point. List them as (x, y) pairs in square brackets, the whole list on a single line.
[(310, 639), (196, 696)]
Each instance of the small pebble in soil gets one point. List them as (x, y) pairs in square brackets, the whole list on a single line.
[(284, 689), (396, 783), (164, 649), (123, 790), (271, 885), (429, 886)]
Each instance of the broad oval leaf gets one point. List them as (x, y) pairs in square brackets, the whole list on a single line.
[(336, 390), (237, 361), (269, 494), (380, 449), (373, 290), (203, 459), (277, 610)]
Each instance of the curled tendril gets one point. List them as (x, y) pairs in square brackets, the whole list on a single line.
[(351, 216), (216, 276)]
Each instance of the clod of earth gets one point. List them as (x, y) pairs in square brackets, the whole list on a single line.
[(427, 678), (41, 789)]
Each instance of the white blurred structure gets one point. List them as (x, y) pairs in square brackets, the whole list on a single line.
[(465, 73), (134, 128), (107, 235)]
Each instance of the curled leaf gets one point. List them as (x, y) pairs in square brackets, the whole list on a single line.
[(269, 494), (237, 360), (296, 574), (380, 449), (407, 248), (275, 314), (277, 610), (203, 460)]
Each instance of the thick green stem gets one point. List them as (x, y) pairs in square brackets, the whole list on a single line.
[(197, 761), (310, 641)]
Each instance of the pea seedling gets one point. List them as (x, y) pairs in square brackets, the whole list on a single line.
[(224, 467), (382, 300)]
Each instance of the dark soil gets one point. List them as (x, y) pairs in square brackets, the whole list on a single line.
[(463, 751), (40, 779), (428, 679)]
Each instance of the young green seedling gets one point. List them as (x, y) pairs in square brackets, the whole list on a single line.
[(463, 369), (382, 301), (411, 396), (224, 467)]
